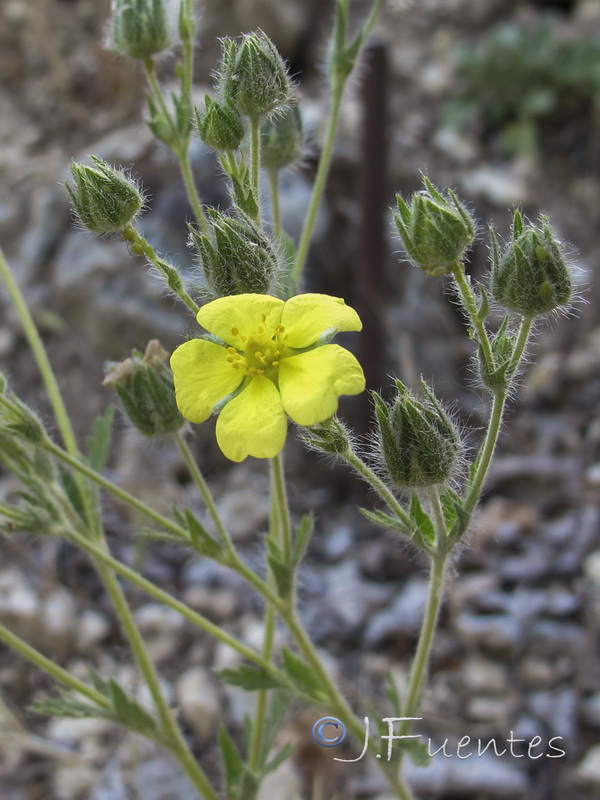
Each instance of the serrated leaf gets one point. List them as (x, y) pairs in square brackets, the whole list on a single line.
[(386, 521), (277, 709), (98, 443), (161, 536), (232, 761), (278, 759), (249, 678), (200, 537), (302, 675), (130, 712), (302, 537), (425, 529), (99, 684), (283, 575), (69, 709), (72, 490), (418, 751)]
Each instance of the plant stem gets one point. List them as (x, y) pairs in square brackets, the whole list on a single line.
[(319, 186), (175, 739), (418, 670), (205, 492), (255, 157), (283, 508), (140, 246), (58, 673), (275, 204), (470, 303), (185, 165), (379, 486), (54, 394)]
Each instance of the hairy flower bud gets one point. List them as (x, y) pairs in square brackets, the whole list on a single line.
[(281, 139), (419, 441), (145, 385), (104, 198), (17, 419), (531, 275), (331, 436), (221, 126), (236, 258), (253, 75), (140, 28), (436, 231)]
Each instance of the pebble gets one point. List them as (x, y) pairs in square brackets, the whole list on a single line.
[(92, 628), (499, 635), (588, 771), (75, 781), (161, 628), (349, 596), (245, 513), (591, 710), (402, 618), (19, 605), (58, 623), (198, 698)]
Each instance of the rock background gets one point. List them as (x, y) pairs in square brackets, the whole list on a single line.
[(517, 648)]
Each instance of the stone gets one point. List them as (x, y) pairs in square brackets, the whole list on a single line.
[(403, 617), (199, 701), (92, 629), (588, 771), (58, 622), (161, 628), (19, 605)]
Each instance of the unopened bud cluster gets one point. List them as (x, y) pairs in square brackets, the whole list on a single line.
[(419, 442), (281, 139), (530, 275), (436, 231), (145, 385), (237, 257), (105, 199)]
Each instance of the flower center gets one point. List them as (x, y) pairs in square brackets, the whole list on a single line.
[(260, 352)]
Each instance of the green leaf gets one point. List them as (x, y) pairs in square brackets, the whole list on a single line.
[(248, 785), (302, 675), (302, 537), (249, 678), (200, 538), (424, 527), (98, 443), (393, 693), (72, 490), (386, 521), (232, 761), (278, 759), (130, 712), (283, 575), (69, 709), (161, 536), (278, 708)]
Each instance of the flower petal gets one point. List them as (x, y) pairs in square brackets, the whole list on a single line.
[(202, 377), (242, 312), (253, 423), (307, 317), (310, 383)]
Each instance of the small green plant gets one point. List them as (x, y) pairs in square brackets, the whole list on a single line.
[(511, 82), (265, 358)]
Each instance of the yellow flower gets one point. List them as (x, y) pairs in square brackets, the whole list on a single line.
[(270, 363)]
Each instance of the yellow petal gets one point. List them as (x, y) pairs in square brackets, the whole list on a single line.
[(253, 423), (310, 383), (307, 317), (241, 312), (202, 377)]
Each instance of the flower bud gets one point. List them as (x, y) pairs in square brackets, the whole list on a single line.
[(253, 75), (145, 386), (531, 275), (281, 139), (221, 126), (17, 419), (104, 198), (140, 28), (237, 257), (436, 231), (419, 442), (331, 436)]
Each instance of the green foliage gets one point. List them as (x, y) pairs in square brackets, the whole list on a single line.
[(518, 75)]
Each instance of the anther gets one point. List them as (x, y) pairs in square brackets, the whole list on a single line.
[(235, 331), (231, 350)]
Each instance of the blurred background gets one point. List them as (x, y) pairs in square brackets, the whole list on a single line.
[(499, 100)]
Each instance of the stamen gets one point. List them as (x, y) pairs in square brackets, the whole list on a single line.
[(274, 363), (235, 331), (260, 371), (231, 350), (264, 317), (261, 329)]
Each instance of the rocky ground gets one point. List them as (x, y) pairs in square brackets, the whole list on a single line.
[(517, 652)]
